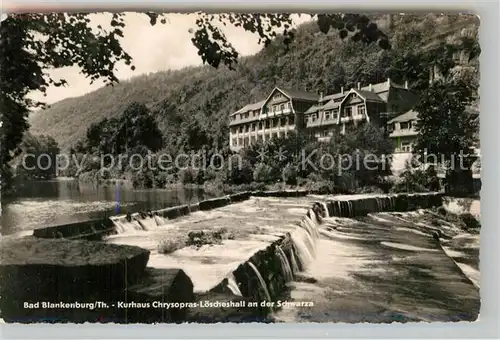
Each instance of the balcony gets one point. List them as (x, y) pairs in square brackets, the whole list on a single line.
[(358, 117), (403, 133)]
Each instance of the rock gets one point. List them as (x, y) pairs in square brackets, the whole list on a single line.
[(58, 270), (161, 286)]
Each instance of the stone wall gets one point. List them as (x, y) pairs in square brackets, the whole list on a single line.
[(35, 271), (93, 229)]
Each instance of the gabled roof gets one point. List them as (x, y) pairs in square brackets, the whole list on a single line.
[(298, 94), (368, 95), (331, 105), (334, 96), (407, 116), (314, 108), (250, 107)]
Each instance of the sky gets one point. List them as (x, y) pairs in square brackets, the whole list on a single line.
[(153, 49)]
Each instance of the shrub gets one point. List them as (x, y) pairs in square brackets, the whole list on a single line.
[(169, 245), (187, 176), (240, 174), (470, 221), (263, 173), (200, 238), (442, 211), (289, 174)]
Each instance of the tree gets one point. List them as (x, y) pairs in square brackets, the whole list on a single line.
[(38, 157), (31, 44), (448, 130), (135, 128)]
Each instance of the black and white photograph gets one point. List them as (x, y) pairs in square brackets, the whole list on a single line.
[(169, 168)]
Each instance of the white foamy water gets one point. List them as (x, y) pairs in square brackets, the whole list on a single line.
[(408, 247), (336, 262), (255, 224), (263, 284), (233, 285)]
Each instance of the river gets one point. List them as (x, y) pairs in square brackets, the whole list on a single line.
[(45, 203)]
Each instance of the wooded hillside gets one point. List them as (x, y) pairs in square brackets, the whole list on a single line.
[(192, 105)]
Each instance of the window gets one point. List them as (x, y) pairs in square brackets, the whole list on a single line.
[(404, 126), (406, 146), (335, 114), (314, 117), (361, 110), (348, 112), (291, 120), (282, 107), (327, 115), (234, 142)]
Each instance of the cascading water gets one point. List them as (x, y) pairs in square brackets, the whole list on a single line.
[(312, 225), (300, 238), (295, 267), (233, 285), (308, 236), (325, 207), (124, 226), (147, 223), (160, 220), (351, 210), (285, 265), (261, 280)]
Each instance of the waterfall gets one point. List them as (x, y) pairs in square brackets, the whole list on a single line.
[(295, 267), (304, 253), (351, 210), (325, 206), (233, 285), (261, 280), (311, 228), (285, 265), (159, 220), (123, 226), (307, 236), (147, 223)]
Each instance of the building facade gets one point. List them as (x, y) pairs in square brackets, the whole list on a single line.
[(286, 110), (402, 131), (281, 112)]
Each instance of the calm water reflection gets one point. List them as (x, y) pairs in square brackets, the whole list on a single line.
[(45, 203)]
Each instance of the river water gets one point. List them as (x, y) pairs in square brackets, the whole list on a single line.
[(45, 203)]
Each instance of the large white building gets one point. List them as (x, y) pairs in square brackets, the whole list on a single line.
[(287, 110)]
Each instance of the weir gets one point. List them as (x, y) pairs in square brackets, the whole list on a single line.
[(262, 244)]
